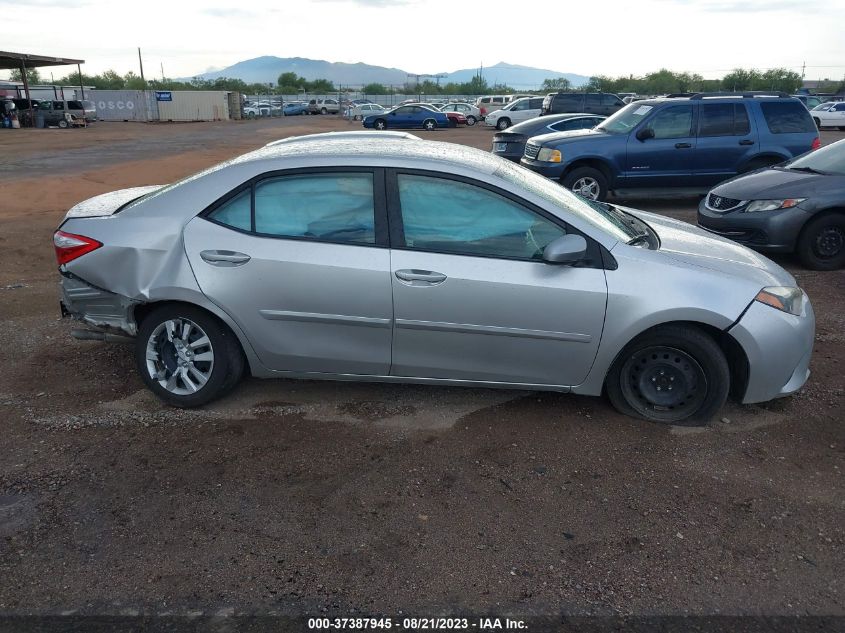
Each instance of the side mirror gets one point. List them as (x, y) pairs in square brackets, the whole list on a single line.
[(566, 249), (644, 133)]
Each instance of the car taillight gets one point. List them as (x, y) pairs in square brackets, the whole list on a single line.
[(70, 246), (817, 143)]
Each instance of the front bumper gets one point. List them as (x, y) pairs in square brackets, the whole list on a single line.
[(95, 306), (778, 346), (549, 170), (771, 231)]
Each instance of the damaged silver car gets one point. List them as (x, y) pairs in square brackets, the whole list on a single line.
[(426, 262)]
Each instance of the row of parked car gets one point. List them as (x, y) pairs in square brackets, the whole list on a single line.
[(50, 112), (750, 155)]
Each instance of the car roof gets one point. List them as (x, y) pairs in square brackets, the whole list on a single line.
[(381, 147), (353, 134)]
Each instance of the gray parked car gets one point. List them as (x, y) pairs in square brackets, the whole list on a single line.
[(402, 260)]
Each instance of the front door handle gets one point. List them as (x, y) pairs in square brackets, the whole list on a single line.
[(683, 145), (424, 276), (224, 258), (746, 141)]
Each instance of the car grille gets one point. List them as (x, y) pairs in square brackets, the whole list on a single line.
[(721, 203), (531, 150)]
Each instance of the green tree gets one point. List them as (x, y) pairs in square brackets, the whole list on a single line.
[(32, 75), (556, 83), (323, 86), (740, 79), (375, 89), (787, 81)]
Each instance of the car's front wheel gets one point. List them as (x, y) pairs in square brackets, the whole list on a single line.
[(471, 120), (429, 125), (821, 245), (587, 182), (503, 123), (380, 124), (186, 357), (673, 374)]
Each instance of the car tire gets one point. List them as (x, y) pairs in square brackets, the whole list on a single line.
[(503, 124), (324, 111), (471, 120), (821, 244), (429, 125), (173, 370), (672, 374), (357, 117), (380, 124), (250, 115), (62, 123), (587, 182), (818, 123)]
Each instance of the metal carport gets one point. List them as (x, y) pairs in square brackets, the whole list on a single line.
[(22, 61)]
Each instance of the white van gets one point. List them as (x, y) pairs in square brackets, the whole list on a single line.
[(515, 112)]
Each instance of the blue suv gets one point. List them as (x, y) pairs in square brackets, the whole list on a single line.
[(683, 144)]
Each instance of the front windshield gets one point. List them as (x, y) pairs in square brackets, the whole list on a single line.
[(829, 159), (624, 120), (606, 218)]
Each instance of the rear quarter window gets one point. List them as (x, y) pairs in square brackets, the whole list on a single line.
[(783, 117)]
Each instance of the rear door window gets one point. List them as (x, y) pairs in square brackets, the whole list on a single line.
[(723, 119), (787, 117), (593, 101), (568, 103)]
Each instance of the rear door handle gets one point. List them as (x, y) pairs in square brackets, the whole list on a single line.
[(746, 141), (424, 277), (224, 258), (683, 145)]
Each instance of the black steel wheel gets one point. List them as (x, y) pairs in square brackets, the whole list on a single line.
[(821, 245), (673, 374)]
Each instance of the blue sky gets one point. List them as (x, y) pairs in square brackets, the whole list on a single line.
[(614, 37)]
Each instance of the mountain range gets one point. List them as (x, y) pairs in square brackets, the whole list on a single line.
[(267, 69)]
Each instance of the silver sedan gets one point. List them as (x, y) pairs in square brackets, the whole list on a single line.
[(402, 260)]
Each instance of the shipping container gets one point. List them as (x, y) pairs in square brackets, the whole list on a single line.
[(194, 105), (124, 105)]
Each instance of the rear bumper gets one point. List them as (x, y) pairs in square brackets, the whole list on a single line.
[(95, 306), (779, 347)]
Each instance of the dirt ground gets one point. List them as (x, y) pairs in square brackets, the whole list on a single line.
[(312, 498)]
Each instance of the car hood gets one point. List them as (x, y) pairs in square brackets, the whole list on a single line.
[(557, 138), (694, 246), (108, 203), (773, 183)]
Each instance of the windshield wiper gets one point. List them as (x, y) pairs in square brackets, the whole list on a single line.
[(639, 237), (808, 170)]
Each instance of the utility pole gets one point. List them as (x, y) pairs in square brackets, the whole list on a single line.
[(162, 72), (141, 64)]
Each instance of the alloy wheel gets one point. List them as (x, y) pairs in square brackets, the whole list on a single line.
[(179, 356), (586, 187)]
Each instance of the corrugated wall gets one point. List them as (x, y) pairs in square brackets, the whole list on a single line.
[(124, 105), (194, 106)]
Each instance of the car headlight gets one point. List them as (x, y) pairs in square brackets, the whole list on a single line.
[(771, 205), (783, 298), (549, 155)]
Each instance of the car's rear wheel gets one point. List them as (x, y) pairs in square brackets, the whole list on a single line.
[(821, 245), (380, 124), (503, 124), (587, 182), (471, 120), (62, 123), (673, 374), (250, 115), (324, 111), (186, 357), (429, 125)]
